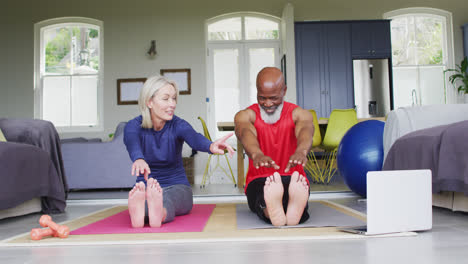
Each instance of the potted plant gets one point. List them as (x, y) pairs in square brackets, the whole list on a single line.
[(460, 78)]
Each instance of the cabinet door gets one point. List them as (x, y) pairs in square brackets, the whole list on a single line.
[(361, 39), (371, 39), (381, 39), (339, 71), (324, 67), (309, 67)]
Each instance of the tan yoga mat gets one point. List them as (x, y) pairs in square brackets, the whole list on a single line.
[(321, 214), (221, 226)]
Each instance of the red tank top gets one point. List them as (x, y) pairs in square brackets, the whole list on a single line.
[(277, 141)]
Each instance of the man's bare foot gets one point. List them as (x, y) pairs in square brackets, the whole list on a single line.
[(273, 195), (298, 197), (154, 197), (136, 205)]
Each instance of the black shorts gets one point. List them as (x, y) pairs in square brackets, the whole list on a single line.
[(256, 201)]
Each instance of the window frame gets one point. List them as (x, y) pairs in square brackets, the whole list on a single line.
[(448, 46), (242, 46), (243, 31), (39, 28)]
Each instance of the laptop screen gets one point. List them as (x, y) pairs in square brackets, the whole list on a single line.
[(399, 201)]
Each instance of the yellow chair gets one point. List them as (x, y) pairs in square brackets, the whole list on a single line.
[(340, 121), (312, 165), (207, 174)]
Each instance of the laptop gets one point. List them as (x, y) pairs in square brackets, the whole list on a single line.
[(397, 201)]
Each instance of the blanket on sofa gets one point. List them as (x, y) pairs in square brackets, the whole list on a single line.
[(404, 120), (27, 172), (442, 149), (43, 135)]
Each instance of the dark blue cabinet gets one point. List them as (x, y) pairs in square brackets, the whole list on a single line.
[(324, 66), (371, 39)]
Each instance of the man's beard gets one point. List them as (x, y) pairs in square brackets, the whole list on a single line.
[(273, 117)]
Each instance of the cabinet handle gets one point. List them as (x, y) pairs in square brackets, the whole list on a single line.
[(373, 51)]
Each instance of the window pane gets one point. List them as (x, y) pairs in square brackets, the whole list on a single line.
[(226, 83), (57, 44), (226, 29), (421, 85), (85, 50), (84, 101), (403, 41), (259, 28), (258, 59), (429, 40), (56, 100), (417, 40), (405, 86), (432, 85)]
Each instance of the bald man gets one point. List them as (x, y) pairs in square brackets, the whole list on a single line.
[(277, 136)]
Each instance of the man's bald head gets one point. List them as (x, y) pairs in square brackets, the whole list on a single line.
[(270, 78), (271, 90)]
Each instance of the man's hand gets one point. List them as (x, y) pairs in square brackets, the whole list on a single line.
[(298, 158), (260, 160), (220, 145), (141, 167)]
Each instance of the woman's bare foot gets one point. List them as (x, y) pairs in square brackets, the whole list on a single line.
[(136, 205), (298, 197), (154, 197), (273, 195)]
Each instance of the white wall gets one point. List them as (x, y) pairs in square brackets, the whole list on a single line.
[(177, 27)]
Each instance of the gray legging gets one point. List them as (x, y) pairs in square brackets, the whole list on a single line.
[(177, 199)]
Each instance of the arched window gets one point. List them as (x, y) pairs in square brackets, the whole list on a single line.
[(239, 45), (421, 50), (68, 82)]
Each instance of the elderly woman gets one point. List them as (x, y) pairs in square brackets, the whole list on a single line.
[(154, 142)]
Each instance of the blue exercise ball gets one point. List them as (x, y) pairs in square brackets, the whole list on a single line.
[(360, 151)]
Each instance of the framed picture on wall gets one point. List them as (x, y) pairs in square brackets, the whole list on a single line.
[(181, 77), (128, 90)]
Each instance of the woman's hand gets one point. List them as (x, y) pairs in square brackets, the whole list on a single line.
[(141, 167), (220, 145)]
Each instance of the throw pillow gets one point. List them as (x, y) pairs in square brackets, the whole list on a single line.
[(2, 137)]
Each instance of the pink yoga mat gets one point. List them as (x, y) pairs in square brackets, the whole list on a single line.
[(120, 223)]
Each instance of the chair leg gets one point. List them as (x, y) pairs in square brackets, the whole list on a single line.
[(207, 174), (216, 167), (210, 173), (330, 170), (318, 174), (312, 166), (230, 169), (206, 171)]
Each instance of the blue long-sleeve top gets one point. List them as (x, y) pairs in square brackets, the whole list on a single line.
[(162, 150)]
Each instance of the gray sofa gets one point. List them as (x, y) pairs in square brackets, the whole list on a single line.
[(31, 168), (97, 165)]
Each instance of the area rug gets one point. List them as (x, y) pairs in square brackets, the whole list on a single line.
[(221, 227), (321, 214), (120, 223)]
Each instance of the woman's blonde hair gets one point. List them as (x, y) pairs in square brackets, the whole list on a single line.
[(150, 88)]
